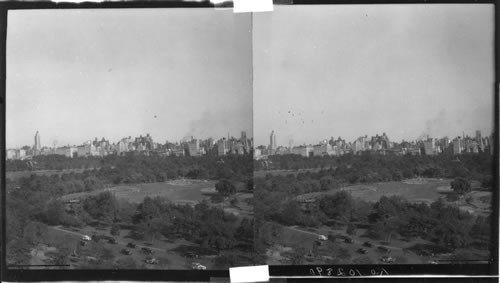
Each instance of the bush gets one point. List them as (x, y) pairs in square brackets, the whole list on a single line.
[(351, 229), (115, 229), (372, 234), (461, 186), (452, 197)]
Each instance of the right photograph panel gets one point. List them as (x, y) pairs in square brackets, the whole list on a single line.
[(373, 134)]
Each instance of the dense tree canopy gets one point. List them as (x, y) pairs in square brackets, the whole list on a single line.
[(461, 186), (293, 198), (225, 187), (38, 198)]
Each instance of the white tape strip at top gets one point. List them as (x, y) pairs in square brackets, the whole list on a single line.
[(245, 6), (259, 273)]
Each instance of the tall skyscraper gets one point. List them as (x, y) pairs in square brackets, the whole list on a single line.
[(272, 141), (222, 147), (457, 145), (37, 148), (478, 135), (244, 138)]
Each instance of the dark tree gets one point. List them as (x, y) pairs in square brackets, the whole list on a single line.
[(461, 186), (351, 229), (225, 188), (115, 229)]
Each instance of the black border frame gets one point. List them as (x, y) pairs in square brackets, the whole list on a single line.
[(484, 271)]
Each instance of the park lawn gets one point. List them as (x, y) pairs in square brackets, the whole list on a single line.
[(190, 191), (424, 192)]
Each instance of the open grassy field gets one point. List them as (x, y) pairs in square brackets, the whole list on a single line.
[(425, 191), (179, 191), (415, 190)]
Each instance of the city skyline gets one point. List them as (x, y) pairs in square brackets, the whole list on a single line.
[(420, 138), (350, 70), (77, 74), (38, 144)]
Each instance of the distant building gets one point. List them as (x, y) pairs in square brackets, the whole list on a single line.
[(429, 147), (20, 153), (272, 142), (194, 147), (16, 154), (177, 152), (323, 149), (457, 145), (243, 138), (11, 154), (87, 149), (222, 147), (257, 153), (66, 151), (361, 144), (304, 150), (38, 146)]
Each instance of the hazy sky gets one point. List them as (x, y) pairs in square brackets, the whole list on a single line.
[(79, 74), (350, 70)]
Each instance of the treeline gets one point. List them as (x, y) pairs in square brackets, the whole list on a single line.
[(141, 169), (54, 162), (134, 168), (384, 168)]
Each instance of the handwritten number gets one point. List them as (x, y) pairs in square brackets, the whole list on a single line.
[(329, 271), (318, 271)]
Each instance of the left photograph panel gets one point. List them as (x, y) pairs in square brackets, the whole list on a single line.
[(129, 139)]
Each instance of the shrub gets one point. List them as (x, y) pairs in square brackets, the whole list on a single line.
[(115, 229), (351, 229)]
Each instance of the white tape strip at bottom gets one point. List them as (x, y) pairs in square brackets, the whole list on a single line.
[(259, 273), (244, 6)]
